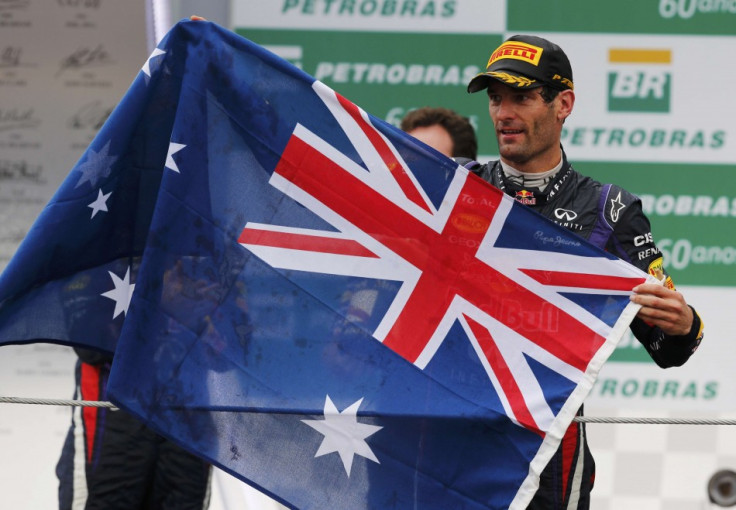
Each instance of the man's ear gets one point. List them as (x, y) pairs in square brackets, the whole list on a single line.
[(566, 100)]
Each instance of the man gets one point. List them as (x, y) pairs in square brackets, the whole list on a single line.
[(442, 129), (530, 90)]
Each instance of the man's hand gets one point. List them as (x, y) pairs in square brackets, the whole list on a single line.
[(664, 308)]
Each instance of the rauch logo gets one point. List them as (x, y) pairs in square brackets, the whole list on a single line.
[(638, 82)]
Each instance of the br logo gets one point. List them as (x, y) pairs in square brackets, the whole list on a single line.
[(638, 82)]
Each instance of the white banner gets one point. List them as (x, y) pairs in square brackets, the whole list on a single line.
[(449, 16), (63, 67)]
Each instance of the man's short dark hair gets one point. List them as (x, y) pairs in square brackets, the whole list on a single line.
[(464, 141), (548, 93)]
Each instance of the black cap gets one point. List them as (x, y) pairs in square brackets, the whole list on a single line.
[(526, 62)]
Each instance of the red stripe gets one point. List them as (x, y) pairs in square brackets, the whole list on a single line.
[(303, 242), (569, 449), (587, 281), (446, 260), (89, 389), (396, 169), (505, 377)]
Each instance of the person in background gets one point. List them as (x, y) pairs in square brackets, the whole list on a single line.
[(442, 129), (529, 85)]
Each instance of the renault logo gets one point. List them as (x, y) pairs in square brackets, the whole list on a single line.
[(565, 214)]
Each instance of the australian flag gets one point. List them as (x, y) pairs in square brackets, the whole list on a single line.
[(309, 298)]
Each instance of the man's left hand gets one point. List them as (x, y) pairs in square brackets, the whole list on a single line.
[(664, 308)]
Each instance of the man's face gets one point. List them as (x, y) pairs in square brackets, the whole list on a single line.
[(527, 129)]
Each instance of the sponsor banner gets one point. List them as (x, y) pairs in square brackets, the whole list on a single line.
[(63, 67), (692, 209), (649, 98), (708, 17), (630, 379), (448, 16), (388, 74)]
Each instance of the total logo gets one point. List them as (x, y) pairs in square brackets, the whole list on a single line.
[(640, 80)]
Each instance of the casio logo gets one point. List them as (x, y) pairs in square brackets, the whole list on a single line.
[(565, 214), (643, 239)]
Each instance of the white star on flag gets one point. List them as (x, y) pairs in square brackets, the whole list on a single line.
[(343, 434), (97, 165), (173, 149), (147, 66), (100, 203), (121, 294)]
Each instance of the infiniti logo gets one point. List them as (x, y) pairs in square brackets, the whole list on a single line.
[(565, 214)]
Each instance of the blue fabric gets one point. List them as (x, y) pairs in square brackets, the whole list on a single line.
[(239, 347)]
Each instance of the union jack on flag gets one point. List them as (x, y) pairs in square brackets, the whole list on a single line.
[(309, 298), (512, 301)]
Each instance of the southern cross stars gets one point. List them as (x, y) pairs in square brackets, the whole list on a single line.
[(121, 294), (343, 434), (100, 203), (173, 149), (97, 165), (147, 66)]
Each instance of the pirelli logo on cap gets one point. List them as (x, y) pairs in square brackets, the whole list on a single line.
[(518, 51)]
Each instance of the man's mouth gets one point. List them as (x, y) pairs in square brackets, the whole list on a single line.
[(510, 131)]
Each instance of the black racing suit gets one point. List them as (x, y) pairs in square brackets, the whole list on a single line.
[(111, 460), (612, 219)]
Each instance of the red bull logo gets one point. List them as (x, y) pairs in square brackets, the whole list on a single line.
[(525, 197)]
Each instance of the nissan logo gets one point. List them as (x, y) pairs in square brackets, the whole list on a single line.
[(565, 214)]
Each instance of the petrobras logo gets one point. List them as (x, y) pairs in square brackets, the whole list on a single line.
[(517, 51), (705, 206), (377, 16), (396, 73), (371, 8), (640, 80)]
